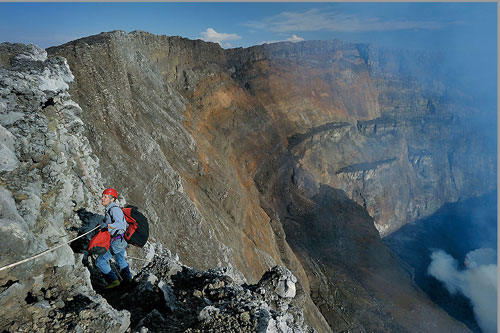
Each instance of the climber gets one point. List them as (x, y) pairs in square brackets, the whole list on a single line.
[(116, 224)]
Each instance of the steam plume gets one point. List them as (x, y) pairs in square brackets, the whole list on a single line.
[(478, 282)]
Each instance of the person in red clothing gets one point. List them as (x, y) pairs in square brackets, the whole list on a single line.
[(116, 224)]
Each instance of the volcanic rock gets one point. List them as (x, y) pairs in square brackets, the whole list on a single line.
[(185, 300), (283, 163)]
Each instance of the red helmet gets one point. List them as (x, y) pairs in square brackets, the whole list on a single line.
[(111, 191)]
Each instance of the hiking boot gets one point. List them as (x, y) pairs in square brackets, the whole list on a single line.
[(125, 274), (113, 284), (112, 280)]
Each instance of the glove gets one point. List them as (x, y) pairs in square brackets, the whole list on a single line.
[(103, 224)]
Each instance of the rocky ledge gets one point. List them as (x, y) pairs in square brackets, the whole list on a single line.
[(167, 296)]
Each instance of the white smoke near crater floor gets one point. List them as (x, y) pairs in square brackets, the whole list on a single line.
[(478, 282)]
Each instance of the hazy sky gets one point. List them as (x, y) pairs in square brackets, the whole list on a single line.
[(408, 25), (465, 32)]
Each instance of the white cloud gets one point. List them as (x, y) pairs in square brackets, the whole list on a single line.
[(293, 39), (478, 282), (316, 20), (210, 35)]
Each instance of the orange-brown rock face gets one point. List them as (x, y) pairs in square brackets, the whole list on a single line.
[(310, 89), (244, 158)]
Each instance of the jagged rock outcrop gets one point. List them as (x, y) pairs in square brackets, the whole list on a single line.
[(41, 137), (277, 155), (167, 296)]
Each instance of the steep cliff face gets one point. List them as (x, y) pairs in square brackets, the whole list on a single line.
[(289, 154), (400, 170), (379, 124), (47, 164), (197, 186), (159, 138)]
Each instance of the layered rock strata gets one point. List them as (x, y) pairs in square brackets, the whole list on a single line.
[(383, 125)]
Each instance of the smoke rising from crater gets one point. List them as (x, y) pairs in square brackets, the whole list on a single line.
[(477, 281)]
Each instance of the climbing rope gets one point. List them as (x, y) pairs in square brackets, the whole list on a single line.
[(45, 252), (77, 154), (129, 257)]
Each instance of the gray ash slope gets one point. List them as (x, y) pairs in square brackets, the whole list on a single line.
[(199, 138)]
